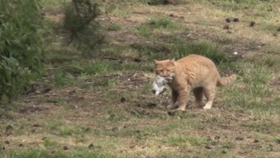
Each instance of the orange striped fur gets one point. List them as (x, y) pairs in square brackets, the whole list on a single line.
[(194, 73)]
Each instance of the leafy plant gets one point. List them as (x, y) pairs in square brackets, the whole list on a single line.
[(21, 46)]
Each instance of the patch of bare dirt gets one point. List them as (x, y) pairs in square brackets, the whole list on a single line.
[(31, 109), (46, 101), (275, 83)]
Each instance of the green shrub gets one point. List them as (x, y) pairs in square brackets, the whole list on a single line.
[(21, 44), (80, 24)]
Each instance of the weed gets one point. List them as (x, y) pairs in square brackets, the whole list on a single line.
[(114, 27), (97, 67), (64, 131), (63, 79), (49, 143), (228, 145), (144, 30), (161, 23)]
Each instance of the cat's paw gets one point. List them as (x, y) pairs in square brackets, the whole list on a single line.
[(170, 106), (181, 109), (206, 107)]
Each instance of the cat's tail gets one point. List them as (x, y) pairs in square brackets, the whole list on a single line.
[(226, 80)]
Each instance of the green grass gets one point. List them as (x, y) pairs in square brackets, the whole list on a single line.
[(192, 141), (45, 154), (53, 5), (101, 104), (205, 48), (178, 48), (156, 23), (114, 27), (235, 5)]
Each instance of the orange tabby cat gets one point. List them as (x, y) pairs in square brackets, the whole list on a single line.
[(192, 73)]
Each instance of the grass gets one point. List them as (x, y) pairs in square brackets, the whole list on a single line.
[(156, 23), (114, 27), (52, 5), (44, 154), (100, 103)]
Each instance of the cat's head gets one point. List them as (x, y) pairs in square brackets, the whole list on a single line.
[(165, 68)]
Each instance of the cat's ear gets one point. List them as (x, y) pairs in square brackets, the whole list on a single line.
[(156, 62), (172, 61)]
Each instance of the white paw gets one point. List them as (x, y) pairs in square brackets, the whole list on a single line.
[(181, 109), (171, 106), (206, 107)]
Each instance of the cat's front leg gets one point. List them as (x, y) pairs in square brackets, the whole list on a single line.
[(182, 99), (174, 97)]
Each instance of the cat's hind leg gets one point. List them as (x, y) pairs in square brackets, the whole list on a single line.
[(198, 94), (209, 93)]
